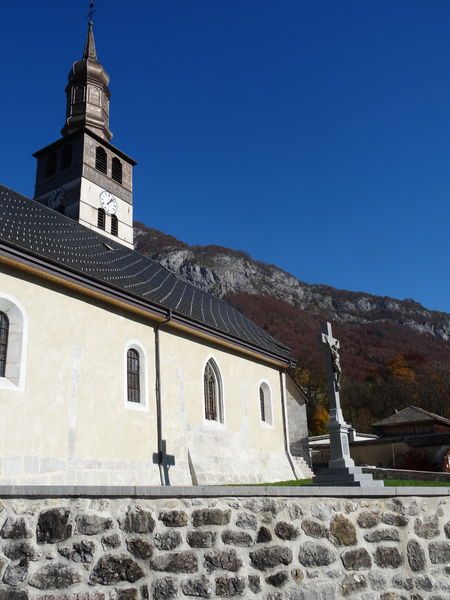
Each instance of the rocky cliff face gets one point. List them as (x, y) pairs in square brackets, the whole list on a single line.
[(226, 272)]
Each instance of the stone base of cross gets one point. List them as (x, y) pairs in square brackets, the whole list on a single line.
[(341, 467)]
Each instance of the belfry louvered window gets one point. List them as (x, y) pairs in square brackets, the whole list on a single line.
[(133, 376), (51, 165), (212, 392), (114, 225), (101, 160), (101, 218), (66, 157), (116, 170), (4, 333)]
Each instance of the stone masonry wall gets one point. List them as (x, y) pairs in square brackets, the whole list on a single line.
[(255, 548)]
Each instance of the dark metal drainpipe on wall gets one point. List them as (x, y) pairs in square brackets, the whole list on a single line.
[(158, 398), (285, 428)]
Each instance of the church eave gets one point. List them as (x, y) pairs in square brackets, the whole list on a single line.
[(50, 270), (96, 137)]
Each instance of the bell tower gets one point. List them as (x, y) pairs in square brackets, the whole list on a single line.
[(82, 175)]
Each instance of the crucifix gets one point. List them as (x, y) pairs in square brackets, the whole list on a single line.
[(341, 467), (91, 10), (164, 461)]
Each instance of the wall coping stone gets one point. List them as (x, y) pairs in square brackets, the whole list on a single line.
[(214, 491)]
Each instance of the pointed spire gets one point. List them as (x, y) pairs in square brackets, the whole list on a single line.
[(89, 47)]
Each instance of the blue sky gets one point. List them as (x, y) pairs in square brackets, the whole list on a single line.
[(313, 134)]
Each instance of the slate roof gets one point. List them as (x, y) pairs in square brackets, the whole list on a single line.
[(411, 414), (37, 230)]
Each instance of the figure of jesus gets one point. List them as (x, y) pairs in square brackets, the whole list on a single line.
[(336, 363)]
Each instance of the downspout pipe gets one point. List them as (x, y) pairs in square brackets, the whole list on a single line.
[(158, 398), (285, 427)]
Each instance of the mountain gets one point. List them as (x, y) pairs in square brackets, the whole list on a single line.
[(385, 341)]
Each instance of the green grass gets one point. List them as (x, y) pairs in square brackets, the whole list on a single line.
[(387, 483)]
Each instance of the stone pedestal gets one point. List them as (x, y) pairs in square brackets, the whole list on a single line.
[(341, 467)]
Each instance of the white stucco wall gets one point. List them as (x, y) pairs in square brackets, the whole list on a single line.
[(69, 423)]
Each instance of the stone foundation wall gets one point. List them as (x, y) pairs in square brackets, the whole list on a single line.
[(267, 548)]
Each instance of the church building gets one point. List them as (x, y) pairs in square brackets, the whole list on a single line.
[(114, 371)]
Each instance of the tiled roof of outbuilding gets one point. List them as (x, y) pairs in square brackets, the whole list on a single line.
[(40, 231), (411, 414)]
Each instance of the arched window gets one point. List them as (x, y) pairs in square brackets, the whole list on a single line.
[(265, 403), (4, 335), (66, 157), (13, 334), (133, 376), (116, 170), (101, 160), (51, 165), (101, 217), (212, 392), (114, 225)]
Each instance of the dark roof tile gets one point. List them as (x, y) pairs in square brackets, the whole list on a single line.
[(36, 229)]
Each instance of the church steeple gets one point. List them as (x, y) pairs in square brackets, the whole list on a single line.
[(88, 93), (82, 175)]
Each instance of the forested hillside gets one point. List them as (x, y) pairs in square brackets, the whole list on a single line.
[(394, 352)]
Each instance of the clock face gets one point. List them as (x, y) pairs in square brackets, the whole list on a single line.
[(108, 202)]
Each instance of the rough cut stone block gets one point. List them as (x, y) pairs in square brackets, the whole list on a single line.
[(355, 560), (416, 556), (263, 536), (439, 553), (18, 550), (321, 511), (16, 574), (227, 560), (342, 531), (286, 531), (201, 539), (95, 595), (137, 520), (427, 527), (210, 516), (254, 583), (169, 540), (314, 554), (110, 542), (447, 529), (395, 519), (53, 526), (174, 518), (368, 519), (314, 528), (12, 594), (278, 579), (164, 589), (91, 524), (315, 591), (270, 557), (246, 521), (230, 586), (113, 568), (139, 548), (124, 594), (55, 576), (176, 562), (402, 582), (199, 587), (237, 538), (392, 596), (377, 581), (17, 528), (388, 557), (297, 575), (424, 583), (352, 584), (82, 551), (384, 534)]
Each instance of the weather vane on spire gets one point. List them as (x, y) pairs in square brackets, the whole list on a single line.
[(91, 11)]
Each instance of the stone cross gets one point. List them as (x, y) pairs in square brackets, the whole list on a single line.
[(165, 461), (341, 467)]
